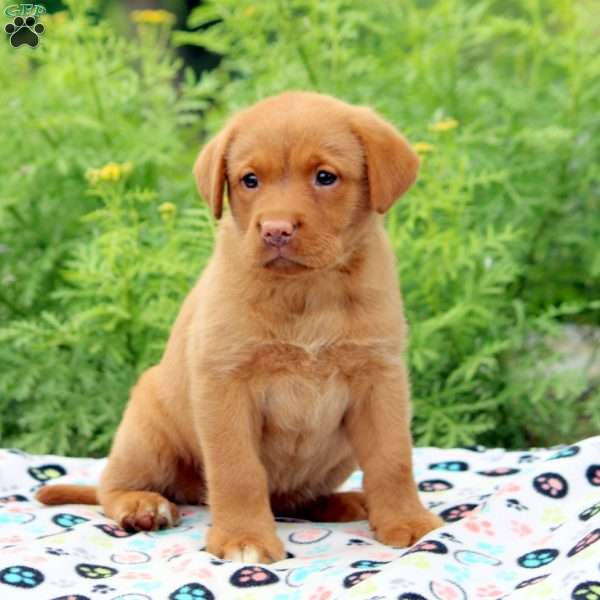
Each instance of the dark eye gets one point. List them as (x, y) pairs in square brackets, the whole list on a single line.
[(325, 178), (250, 180)]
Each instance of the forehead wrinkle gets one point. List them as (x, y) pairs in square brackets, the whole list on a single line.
[(256, 150), (288, 140)]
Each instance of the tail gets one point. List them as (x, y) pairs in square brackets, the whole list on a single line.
[(67, 494)]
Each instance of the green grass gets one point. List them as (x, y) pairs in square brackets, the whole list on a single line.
[(497, 244)]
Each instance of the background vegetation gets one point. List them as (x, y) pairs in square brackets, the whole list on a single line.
[(102, 234)]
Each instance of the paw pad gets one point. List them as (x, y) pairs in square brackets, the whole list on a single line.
[(358, 577), (192, 591), (552, 485), (24, 31), (253, 576), (537, 558), (22, 577)]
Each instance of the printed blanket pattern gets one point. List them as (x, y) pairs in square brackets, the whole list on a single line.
[(518, 525)]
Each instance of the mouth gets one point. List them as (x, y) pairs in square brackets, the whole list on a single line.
[(284, 264)]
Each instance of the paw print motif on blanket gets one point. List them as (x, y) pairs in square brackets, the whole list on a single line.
[(428, 546), (114, 530), (22, 577), (368, 564), (24, 31), (458, 512), (538, 558), (452, 465), (56, 551), (447, 590), (593, 474), (565, 453), (434, 485), (46, 472), (471, 558), (527, 582), (591, 538), (552, 485), (475, 524), (102, 589), (192, 591), (589, 512), (94, 571), (358, 577), (514, 503), (252, 577), (13, 498), (358, 542), (489, 591), (67, 520), (498, 472), (587, 590)]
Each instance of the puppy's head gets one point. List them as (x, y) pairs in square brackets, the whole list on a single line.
[(303, 172)]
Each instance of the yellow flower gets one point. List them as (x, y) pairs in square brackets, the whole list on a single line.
[(153, 17), (109, 172), (423, 147), (249, 10), (167, 210), (444, 125)]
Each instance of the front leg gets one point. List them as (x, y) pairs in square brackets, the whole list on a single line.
[(378, 426), (229, 428)]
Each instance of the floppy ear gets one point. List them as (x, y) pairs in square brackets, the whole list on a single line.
[(392, 165), (209, 170)]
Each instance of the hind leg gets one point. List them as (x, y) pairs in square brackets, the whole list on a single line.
[(142, 467)]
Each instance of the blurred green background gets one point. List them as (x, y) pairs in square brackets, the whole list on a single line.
[(498, 245)]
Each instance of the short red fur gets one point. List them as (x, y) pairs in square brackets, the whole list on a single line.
[(284, 368)]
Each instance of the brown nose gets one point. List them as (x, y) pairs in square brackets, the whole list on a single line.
[(277, 233)]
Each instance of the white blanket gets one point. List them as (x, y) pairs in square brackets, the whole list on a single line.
[(519, 525)]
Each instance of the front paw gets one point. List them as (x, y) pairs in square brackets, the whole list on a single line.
[(406, 531), (245, 547)]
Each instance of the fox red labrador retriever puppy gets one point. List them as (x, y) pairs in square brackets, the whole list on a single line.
[(284, 367)]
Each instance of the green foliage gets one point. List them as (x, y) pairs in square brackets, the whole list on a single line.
[(100, 224), (497, 244)]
